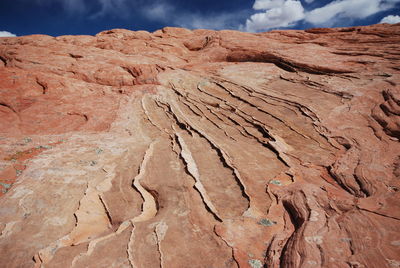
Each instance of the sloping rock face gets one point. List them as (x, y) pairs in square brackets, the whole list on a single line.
[(200, 148)]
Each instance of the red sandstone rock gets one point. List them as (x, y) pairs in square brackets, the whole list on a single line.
[(199, 148)]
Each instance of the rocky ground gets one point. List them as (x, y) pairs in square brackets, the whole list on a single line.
[(201, 148)]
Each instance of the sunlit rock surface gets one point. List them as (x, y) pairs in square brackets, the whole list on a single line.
[(200, 148)]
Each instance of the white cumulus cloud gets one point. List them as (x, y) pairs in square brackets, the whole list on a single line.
[(286, 13), (277, 13), (347, 9), (6, 34), (392, 19), (267, 4)]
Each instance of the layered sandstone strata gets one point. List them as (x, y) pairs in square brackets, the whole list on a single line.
[(201, 148)]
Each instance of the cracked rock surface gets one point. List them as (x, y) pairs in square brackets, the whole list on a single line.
[(201, 148)]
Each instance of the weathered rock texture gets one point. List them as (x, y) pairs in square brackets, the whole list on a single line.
[(200, 148)]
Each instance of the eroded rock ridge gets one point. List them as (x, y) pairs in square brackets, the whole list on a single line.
[(201, 148)]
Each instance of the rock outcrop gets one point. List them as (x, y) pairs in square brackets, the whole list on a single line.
[(200, 148)]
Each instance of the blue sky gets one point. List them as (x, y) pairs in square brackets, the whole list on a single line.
[(61, 17)]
